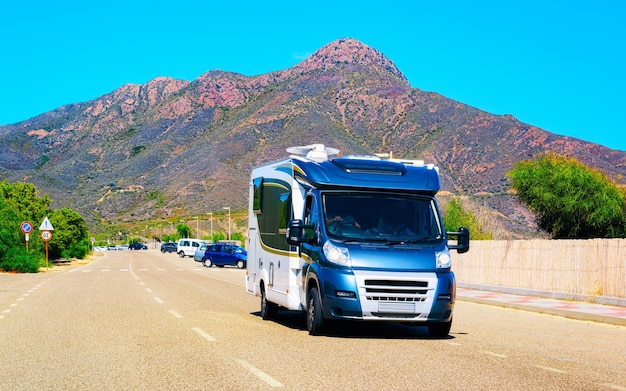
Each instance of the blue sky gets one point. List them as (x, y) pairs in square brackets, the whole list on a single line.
[(556, 65)]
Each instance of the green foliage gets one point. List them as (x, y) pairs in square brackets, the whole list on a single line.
[(24, 197), (70, 236), (238, 236), (569, 199), (456, 217), (156, 195), (42, 162), (13, 254), (183, 230), (137, 149), (219, 236), (19, 260)]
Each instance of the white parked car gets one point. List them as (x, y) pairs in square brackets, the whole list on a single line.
[(187, 247)]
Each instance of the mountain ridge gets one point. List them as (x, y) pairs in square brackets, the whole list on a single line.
[(171, 147)]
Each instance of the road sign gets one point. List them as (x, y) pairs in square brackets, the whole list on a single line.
[(46, 235), (45, 225), (26, 227)]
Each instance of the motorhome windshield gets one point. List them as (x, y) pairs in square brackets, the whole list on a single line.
[(376, 217)]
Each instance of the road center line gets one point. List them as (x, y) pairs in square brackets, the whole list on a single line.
[(176, 314), (550, 369), (613, 386), (260, 374), (204, 334), (493, 354), (158, 299)]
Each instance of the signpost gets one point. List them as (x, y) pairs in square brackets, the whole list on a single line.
[(26, 228), (46, 235)]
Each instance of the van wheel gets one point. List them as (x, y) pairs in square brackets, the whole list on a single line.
[(268, 309), (181, 254), (240, 264), (207, 262), (314, 318), (439, 329)]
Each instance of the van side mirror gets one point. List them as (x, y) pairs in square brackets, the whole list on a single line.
[(296, 233), (463, 240)]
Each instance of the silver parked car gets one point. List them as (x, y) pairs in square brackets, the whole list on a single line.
[(199, 254)]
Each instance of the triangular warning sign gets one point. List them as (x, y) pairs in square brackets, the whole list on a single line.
[(45, 225)]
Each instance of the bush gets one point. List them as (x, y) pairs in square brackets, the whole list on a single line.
[(76, 250), (19, 260), (456, 216)]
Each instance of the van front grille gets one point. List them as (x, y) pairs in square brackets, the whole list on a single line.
[(396, 290)]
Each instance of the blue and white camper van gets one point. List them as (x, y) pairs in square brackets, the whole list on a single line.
[(354, 237)]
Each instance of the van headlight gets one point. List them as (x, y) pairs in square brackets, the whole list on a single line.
[(444, 261), (338, 255)]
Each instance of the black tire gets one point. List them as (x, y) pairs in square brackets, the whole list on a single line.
[(439, 329), (241, 264), (207, 262), (314, 317), (268, 309), (181, 254), (163, 251)]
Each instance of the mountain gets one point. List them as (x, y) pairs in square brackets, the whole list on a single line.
[(173, 147)]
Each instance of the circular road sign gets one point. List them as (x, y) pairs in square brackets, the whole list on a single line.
[(46, 235), (26, 227)]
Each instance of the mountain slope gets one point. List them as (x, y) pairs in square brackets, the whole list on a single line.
[(171, 147)]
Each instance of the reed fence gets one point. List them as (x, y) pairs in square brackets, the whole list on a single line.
[(594, 267)]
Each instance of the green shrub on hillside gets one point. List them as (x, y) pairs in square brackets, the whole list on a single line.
[(456, 217)]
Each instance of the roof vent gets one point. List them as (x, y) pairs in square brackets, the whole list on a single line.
[(317, 152)]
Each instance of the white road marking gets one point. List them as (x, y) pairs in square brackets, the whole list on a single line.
[(158, 299), (550, 369), (20, 298), (148, 290), (87, 271), (176, 314), (105, 270), (6, 311), (123, 270), (204, 334), (613, 386), (13, 305), (260, 374), (493, 354)]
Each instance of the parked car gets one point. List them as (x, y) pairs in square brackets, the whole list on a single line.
[(225, 254), (137, 246), (188, 247), (168, 247), (199, 254)]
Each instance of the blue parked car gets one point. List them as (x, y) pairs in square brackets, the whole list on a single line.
[(225, 254)]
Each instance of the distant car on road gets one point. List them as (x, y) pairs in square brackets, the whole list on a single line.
[(225, 254), (137, 246), (168, 247)]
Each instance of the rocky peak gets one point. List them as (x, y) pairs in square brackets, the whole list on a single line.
[(348, 51)]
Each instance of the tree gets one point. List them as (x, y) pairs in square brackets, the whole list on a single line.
[(183, 230), (569, 199), (24, 197), (13, 254), (70, 238), (456, 216)]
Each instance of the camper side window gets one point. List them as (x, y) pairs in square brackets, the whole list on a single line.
[(310, 218)]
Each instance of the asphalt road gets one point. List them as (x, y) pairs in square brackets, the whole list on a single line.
[(142, 320)]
